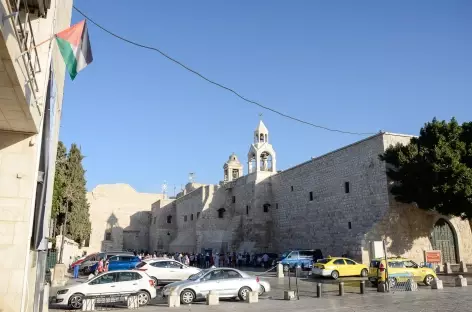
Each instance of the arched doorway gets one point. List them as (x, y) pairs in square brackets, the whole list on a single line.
[(443, 238)]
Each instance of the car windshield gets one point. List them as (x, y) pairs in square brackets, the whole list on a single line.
[(285, 254), (324, 261), (198, 275)]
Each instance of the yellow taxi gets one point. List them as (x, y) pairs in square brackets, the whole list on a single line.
[(398, 269), (337, 267)]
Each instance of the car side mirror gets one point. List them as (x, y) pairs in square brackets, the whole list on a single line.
[(181, 266)]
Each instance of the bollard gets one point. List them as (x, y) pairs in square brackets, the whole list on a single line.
[(437, 284), (173, 301), (461, 281), (362, 287), (341, 288), (463, 267), (213, 298), (280, 270), (318, 290)]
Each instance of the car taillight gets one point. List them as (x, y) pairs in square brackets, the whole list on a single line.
[(151, 283), (381, 267), (257, 279)]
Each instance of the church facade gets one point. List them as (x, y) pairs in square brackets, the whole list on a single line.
[(338, 202)]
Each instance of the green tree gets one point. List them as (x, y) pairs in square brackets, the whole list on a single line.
[(435, 169), (69, 197)]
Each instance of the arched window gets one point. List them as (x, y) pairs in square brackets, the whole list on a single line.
[(266, 161), (262, 137), (252, 163), (221, 213), (266, 207), (169, 219), (191, 217)]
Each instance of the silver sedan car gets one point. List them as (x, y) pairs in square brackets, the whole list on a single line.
[(227, 282)]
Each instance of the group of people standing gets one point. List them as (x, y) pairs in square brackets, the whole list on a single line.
[(209, 259)]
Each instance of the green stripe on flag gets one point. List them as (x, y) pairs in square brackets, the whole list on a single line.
[(68, 55)]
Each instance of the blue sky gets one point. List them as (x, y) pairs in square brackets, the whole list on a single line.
[(359, 66)]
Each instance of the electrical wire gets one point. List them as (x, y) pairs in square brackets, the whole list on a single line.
[(214, 82)]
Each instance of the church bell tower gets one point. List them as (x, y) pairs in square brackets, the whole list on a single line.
[(261, 156)]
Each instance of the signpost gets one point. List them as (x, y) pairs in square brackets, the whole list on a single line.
[(432, 256)]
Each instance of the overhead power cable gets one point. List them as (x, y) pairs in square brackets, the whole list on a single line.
[(214, 82)]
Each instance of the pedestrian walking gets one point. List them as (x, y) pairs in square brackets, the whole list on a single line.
[(76, 271)]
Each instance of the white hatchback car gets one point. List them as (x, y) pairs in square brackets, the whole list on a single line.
[(116, 283), (164, 271)]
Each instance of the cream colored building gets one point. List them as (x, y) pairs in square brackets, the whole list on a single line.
[(120, 218), (29, 126)]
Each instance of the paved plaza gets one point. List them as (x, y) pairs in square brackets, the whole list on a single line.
[(451, 299)]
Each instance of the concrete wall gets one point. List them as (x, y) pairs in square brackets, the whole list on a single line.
[(71, 250), (20, 142), (123, 211)]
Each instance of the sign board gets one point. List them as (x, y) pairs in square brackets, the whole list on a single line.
[(432, 256)]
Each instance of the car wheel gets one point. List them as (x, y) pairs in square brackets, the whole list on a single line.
[(244, 293), (76, 301), (156, 281), (428, 280), (143, 298), (392, 282), (364, 272), (187, 296), (261, 290), (335, 274)]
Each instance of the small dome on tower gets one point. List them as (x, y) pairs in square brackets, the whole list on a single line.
[(233, 159)]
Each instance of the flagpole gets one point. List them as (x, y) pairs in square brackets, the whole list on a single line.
[(34, 47)]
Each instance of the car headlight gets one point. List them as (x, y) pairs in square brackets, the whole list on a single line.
[(63, 291)]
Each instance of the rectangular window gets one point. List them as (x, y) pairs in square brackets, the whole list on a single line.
[(234, 199), (185, 218), (154, 220), (191, 217), (311, 196), (276, 206), (350, 225), (346, 187), (247, 210), (108, 236), (291, 188), (198, 215)]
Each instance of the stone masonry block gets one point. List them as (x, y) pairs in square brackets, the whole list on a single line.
[(461, 281), (252, 297), (436, 284), (173, 301), (289, 295), (213, 298), (411, 285)]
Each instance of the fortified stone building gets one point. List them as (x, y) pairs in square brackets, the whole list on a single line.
[(339, 202)]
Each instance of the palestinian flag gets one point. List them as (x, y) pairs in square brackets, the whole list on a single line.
[(74, 45)]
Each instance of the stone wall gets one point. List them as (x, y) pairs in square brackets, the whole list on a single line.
[(332, 220), (125, 213)]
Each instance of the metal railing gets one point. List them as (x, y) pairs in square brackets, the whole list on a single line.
[(24, 35)]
